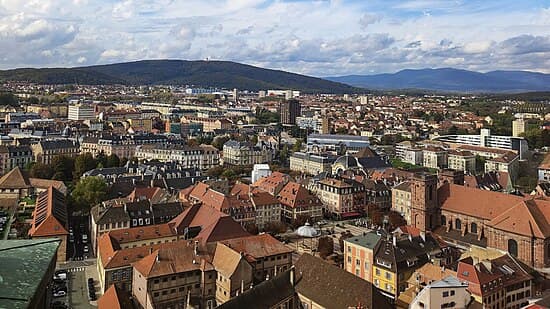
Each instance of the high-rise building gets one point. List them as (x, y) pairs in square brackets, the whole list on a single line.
[(290, 109), (518, 127)]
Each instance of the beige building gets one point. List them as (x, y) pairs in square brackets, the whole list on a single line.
[(518, 127), (175, 277), (45, 150), (461, 161), (401, 199), (447, 293), (203, 156), (311, 164), (209, 124), (434, 157), (341, 197), (243, 153), (235, 274)]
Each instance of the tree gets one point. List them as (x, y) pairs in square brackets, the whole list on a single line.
[(215, 171), (83, 163), (275, 227), (219, 141), (89, 192), (297, 146), (113, 160), (7, 98), (63, 167), (343, 236), (41, 170), (325, 246), (101, 160)]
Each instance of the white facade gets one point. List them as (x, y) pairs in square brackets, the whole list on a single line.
[(260, 171), (81, 112), (446, 293)]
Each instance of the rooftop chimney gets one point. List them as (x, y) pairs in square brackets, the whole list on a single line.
[(394, 241)]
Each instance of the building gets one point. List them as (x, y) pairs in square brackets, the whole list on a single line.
[(359, 254), (297, 201), (202, 157), (174, 277), (498, 283), (235, 274), (124, 146), (446, 293), (341, 197), (508, 163), (12, 156), (461, 161), (336, 143), (289, 110), (209, 125), (397, 257), (81, 112), (116, 298), (310, 163), (434, 157), (45, 150), (363, 162), (544, 169), (276, 293), (272, 184), (244, 153), (401, 200), (485, 139), (27, 270), (318, 280), (260, 171), (408, 152), (263, 252), (518, 127), (50, 220)]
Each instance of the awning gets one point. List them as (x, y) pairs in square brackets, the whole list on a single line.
[(350, 214)]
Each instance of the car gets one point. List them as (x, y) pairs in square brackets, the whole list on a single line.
[(59, 281), (90, 280), (86, 250), (59, 305), (84, 238), (60, 275), (59, 293)]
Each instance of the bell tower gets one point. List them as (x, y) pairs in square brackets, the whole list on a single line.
[(424, 206)]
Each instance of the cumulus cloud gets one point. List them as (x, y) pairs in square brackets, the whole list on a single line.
[(313, 37)]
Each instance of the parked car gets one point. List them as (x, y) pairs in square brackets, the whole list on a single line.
[(60, 275), (84, 238), (59, 293), (86, 250), (59, 305)]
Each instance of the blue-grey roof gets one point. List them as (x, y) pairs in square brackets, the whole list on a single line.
[(369, 240)]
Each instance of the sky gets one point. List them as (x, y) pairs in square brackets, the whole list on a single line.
[(319, 38)]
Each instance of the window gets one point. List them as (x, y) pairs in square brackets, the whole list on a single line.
[(388, 275), (452, 292), (513, 247), (378, 272), (358, 262), (446, 294), (443, 220), (473, 228), (156, 294), (458, 224)]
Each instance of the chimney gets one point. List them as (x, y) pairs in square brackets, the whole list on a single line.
[(423, 235), (394, 241), (196, 249)]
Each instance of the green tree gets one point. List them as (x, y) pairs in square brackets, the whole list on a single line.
[(113, 160), (89, 192), (297, 146), (63, 167), (101, 160), (325, 246), (7, 98), (219, 141), (41, 170), (215, 171), (83, 163)]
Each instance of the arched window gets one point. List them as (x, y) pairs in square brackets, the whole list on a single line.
[(458, 224), (473, 228), (443, 220), (513, 247)]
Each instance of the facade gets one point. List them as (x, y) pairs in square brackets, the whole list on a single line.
[(259, 171), (45, 150), (311, 164), (124, 146), (341, 197), (446, 293), (81, 112), (434, 157), (544, 169), (401, 200), (335, 142), (289, 109), (461, 161), (359, 254), (12, 156), (208, 124), (408, 152), (297, 201), (174, 278), (203, 156), (243, 153)]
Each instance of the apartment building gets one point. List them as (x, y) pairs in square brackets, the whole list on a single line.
[(203, 156), (341, 197), (461, 161), (45, 150), (12, 156), (311, 164), (244, 153), (124, 146), (81, 112), (359, 254)]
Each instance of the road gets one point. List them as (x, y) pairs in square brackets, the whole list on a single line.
[(75, 250)]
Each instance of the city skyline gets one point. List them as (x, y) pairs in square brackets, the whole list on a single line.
[(319, 38)]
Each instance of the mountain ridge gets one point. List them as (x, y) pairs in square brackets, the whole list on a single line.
[(450, 79), (200, 73)]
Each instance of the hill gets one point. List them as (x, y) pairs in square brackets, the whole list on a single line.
[(449, 79), (224, 74)]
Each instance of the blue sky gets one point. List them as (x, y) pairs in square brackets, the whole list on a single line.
[(320, 38)]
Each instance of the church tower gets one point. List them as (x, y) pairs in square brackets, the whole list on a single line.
[(424, 206)]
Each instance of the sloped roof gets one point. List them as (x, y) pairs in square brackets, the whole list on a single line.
[(169, 260), (295, 195), (50, 214), (226, 260), (15, 179), (115, 298), (333, 287), (45, 183), (255, 247), (528, 218)]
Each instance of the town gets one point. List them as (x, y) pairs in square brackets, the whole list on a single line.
[(182, 197)]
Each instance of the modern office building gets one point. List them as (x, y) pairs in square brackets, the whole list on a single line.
[(336, 142)]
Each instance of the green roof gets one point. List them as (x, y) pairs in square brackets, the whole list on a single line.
[(24, 263), (369, 240)]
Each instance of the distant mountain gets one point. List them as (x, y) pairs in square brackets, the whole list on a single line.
[(179, 72), (451, 80)]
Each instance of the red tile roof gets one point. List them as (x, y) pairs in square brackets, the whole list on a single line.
[(295, 195), (257, 246), (49, 215)]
